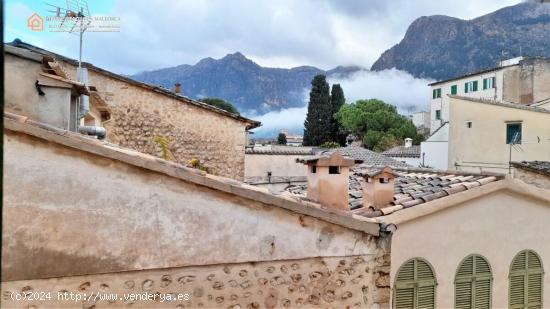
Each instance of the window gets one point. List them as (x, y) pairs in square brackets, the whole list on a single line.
[(454, 89), (438, 114), (489, 83), (334, 169), (468, 124), (313, 169), (414, 285), (513, 133), (436, 93), (526, 273), (473, 283), (470, 86)]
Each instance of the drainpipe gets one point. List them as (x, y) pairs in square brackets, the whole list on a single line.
[(84, 100), (99, 132)]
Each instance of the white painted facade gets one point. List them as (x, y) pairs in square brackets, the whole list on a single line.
[(434, 152)]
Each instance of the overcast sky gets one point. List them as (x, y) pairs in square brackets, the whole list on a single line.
[(282, 33)]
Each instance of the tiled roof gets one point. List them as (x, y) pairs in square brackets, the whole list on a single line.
[(369, 157), (412, 187), (402, 151), (541, 167)]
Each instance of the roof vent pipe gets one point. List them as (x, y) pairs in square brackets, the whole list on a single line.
[(84, 102), (99, 132)]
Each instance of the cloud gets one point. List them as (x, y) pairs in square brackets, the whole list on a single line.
[(323, 33), (395, 87)]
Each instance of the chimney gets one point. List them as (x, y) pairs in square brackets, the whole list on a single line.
[(378, 187), (328, 179), (408, 142), (177, 88)]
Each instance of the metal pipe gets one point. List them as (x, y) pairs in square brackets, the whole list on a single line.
[(99, 132)]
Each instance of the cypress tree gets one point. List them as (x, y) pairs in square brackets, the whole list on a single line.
[(319, 113), (337, 100)]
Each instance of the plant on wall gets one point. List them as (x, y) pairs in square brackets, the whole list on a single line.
[(164, 144), (196, 163)]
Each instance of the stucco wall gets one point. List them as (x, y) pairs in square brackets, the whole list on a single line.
[(69, 212), (497, 226), (484, 144), (283, 168), (139, 115), (332, 282)]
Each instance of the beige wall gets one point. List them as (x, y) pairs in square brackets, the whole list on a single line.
[(139, 115), (283, 168), (497, 226), (485, 142), (117, 217)]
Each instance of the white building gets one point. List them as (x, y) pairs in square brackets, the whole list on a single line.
[(518, 80)]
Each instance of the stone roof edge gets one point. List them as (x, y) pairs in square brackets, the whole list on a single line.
[(527, 167), (391, 222), (21, 124), (33, 55), (503, 104)]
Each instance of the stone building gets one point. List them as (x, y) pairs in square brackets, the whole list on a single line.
[(139, 113)]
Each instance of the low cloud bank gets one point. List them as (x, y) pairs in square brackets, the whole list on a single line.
[(393, 86)]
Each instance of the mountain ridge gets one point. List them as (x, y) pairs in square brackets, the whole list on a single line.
[(442, 47), (241, 81)]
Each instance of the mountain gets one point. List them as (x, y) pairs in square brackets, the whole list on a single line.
[(441, 47), (242, 82)]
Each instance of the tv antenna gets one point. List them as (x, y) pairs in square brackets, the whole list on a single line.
[(76, 17)]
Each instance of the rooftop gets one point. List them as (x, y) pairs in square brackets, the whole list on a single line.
[(503, 104), (282, 150), (541, 167), (369, 157), (402, 151), (412, 187), (29, 51)]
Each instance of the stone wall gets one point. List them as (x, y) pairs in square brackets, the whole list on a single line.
[(139, 115), (332, 282)]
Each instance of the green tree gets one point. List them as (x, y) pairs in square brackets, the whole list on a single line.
[(378, 124), (319, 113), (281, 139), (337, 100), (222, 104)]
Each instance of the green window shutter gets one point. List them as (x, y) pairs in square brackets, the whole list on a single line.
[(485, 80), (494, 82), (473, 283), (526, 275), (466, 88), (415, 286), (475, 86), (434, 93), (439, 93), (454, 89)]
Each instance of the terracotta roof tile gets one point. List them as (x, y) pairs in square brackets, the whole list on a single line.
[(412, 187)]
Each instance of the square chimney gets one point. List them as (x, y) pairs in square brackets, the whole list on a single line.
[(328, 179), (378, 187)]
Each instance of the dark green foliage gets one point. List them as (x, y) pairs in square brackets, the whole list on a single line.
[(219, 103), (330, 145), (337, 100), (281, 139), (319, 113), (378, 124)]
